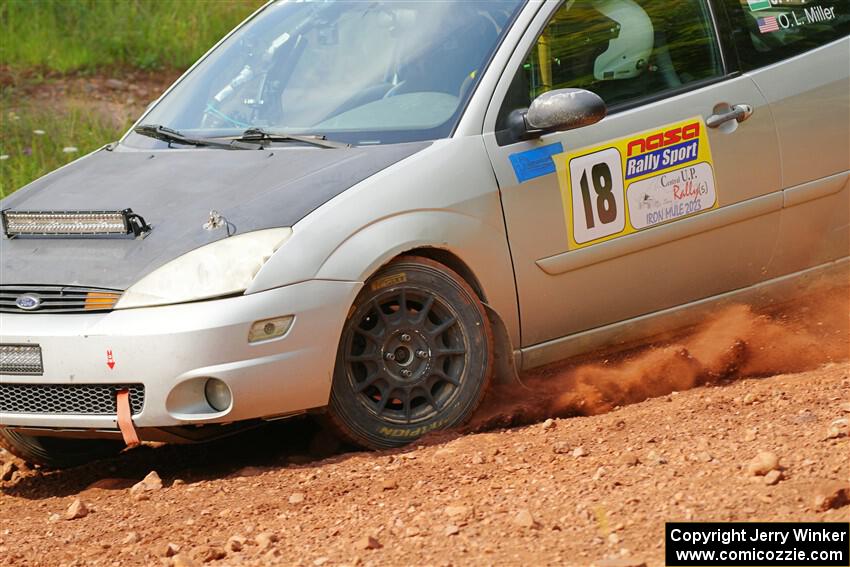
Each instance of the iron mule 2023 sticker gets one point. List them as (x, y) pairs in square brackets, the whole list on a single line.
[(636, 182)]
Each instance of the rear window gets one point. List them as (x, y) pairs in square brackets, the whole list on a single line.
[(767, 31)]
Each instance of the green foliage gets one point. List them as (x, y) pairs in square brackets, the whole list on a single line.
[(82, 35), (26, 155)]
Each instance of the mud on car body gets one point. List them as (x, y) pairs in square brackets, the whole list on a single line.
[(374, 210)]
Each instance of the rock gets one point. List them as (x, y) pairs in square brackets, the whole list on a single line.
[(762, 464), (321, 561), (549, 424), (181, 560), (177, 482), (411, 531), (773, 477), (629, 459), (837, 428), (457, 512), (579, 452), (296, 498), (845, 407), (831, 495), (54, 518), (561, 448), (235, 543), (150, 483), (599, 472), (265, 540), (368, 542), (8, 470), (171, 550), (750, 435), (703, 457), (613, 539), (655, 458), (131, 538), (389, 484), (524, 519), (77, 509), (208, 553), (451, 530), (478, 459)]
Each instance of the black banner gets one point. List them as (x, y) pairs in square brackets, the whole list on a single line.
[(767, 544)]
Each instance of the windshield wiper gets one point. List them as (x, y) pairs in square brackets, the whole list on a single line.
[(260, 135), (166, 134)]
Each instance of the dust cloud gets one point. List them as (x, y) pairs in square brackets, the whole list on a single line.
[(798, 334)]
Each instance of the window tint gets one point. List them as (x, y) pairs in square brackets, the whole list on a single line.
[(623, 50), (767, 31)]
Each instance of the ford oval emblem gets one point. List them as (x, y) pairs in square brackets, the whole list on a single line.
[(28, 302)]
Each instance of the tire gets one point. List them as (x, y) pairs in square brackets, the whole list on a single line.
[(415, 356), (57, 452)]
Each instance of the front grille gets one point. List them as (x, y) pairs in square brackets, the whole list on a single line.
[(56, 299), (68, 399), (21, 360)]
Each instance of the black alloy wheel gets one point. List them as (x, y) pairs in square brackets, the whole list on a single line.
[(415, 355)]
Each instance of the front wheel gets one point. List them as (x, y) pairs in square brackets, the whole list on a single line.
[(415, 356), (57, 452)]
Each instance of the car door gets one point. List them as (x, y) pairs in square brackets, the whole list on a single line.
[(600, 229), (799, 56)]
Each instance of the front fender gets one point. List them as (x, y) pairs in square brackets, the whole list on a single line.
[(445, 197)]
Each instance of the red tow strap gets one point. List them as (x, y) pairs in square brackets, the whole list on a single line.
[(125, 419)]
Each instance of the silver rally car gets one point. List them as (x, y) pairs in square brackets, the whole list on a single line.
[(374, 210)]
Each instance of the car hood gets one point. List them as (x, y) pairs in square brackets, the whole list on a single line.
[(175, 190)]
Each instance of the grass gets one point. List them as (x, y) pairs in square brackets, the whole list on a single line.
[(68, 133), (64, 36), (50, 38)]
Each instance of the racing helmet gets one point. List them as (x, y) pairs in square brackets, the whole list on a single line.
[(628, 53)]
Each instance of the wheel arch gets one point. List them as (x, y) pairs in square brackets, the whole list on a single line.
[(506, 359), (474, 246)]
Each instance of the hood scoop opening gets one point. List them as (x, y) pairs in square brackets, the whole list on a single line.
[(70, 224)]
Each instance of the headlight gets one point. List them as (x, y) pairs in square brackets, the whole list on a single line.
[(222, 268)]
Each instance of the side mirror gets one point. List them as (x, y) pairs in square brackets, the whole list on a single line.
[(558, 111)]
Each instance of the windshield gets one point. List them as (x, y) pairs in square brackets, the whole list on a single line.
[(361, 72)]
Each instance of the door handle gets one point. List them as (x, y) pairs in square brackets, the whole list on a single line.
[(739, 112)]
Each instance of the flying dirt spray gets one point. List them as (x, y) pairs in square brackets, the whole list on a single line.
[(799, 334)]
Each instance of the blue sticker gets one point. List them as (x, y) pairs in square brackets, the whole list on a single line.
[(535, 163)]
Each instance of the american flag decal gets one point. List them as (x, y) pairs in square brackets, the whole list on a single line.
[(768, 24)]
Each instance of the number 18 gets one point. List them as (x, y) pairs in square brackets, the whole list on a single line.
[(598, 202)]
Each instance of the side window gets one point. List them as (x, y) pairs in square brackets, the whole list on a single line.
[(767, 31), (623, 50)]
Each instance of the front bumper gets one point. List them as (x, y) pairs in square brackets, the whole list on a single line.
[(172, 349)]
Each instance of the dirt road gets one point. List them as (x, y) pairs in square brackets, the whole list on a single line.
[(569, 491)]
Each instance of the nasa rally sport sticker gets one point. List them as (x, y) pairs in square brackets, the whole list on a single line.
[(637, 182)]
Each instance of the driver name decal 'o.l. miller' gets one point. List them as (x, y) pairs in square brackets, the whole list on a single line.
[(636, 182)]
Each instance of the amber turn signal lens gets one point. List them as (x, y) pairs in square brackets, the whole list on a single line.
[(100, 301)]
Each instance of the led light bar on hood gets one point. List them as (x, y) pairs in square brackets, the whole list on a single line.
[(73, 223)]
